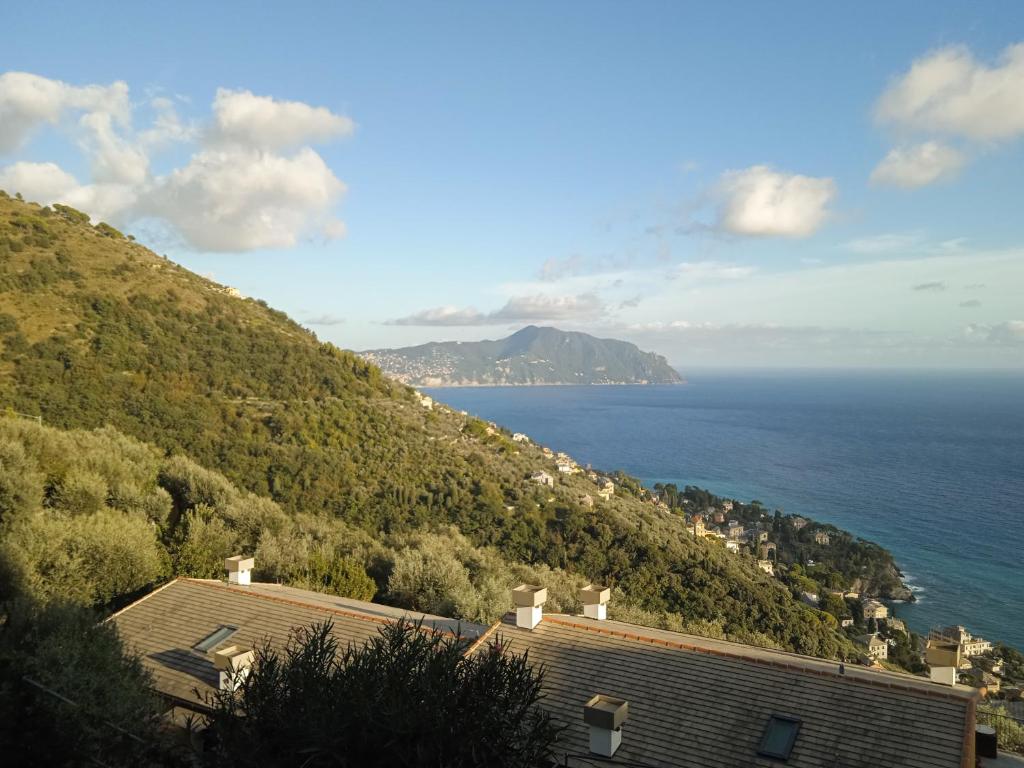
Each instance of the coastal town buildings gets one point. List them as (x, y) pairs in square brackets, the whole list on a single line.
[(874, 609), (617, 692), (956, 633)]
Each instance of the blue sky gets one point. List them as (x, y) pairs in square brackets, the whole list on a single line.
[(729, 184)]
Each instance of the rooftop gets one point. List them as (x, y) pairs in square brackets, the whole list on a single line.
[(700, 702), (166, 626)]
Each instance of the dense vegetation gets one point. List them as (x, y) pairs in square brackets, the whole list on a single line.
[(840, 561), (69, 695), (405, 698), (531, 355), (260, 438)]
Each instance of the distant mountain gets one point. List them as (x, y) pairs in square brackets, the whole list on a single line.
[(530, 356)]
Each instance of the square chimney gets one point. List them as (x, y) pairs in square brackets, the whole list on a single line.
[(234, 664), (529, 600), (605, 716), (595, 601), (239, 569)]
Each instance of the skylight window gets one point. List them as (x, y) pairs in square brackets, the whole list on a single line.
[(779, 737), (215, 638)]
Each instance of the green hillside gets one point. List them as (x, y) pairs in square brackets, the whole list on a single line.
[(531, 355), (98, 332)]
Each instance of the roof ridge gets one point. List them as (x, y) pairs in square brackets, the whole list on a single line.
[(145, 597), (214, 584), (915, 686)]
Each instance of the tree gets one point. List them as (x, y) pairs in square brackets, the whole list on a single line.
[(70, 694), (408, 697)]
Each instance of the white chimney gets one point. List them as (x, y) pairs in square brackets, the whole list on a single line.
[(595, 601), (234, 664), (605, 716), (529, 600), (239, 569), (943, 675)]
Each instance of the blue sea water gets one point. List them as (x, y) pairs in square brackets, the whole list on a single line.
[(929, 465)]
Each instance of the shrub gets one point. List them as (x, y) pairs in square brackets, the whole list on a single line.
[(407, 697)]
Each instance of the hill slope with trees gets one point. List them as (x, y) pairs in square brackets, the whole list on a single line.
[(296, 446)]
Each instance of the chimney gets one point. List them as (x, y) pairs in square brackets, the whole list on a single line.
[(943, 675), (234, 664), (239, 569), (595, 601), (529, 599), (605, 716)]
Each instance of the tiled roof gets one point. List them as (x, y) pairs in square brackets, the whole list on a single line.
[(704, 703), (165, 626)]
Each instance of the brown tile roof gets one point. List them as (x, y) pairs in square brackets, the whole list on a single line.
[(704, 703), (165, 626)]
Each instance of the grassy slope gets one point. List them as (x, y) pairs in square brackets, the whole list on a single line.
[(98, 330)]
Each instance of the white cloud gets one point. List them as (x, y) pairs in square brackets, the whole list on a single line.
[(709, 270), (38, 181), (1008, 333), (519, 309), (918, 165), (28, 101), (114, 160), (240, 200), (534, 308), (443, 316), (324, 319), (250, 184), (240, 117), (888, 242), (949, 91), (762, 202)]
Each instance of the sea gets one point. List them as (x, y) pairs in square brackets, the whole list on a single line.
[(929, 465)]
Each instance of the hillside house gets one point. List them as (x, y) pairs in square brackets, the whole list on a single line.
[(727, 506), (697, 526), (731, 545), (565, 469), (613, 689), (519, 437), (799, 522), (605, 488), (587, 500), (767, 566), (543, 478), (734, 530), (896, 624), (822, 538), (873, 609), (878, 649)]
